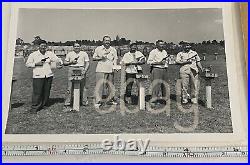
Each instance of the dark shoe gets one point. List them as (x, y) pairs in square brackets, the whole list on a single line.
[(45, 106), (74, 111), (128, 100), (85, 103)]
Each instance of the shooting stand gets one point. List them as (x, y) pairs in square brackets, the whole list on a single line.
[(76, 79), (208, 76), (141, 78), (216, 56)]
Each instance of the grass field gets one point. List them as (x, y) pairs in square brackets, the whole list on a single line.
[(53, 120)]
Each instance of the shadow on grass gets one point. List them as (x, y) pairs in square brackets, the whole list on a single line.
[(16, 105), (201, 102), (53, 101), (173, 98)]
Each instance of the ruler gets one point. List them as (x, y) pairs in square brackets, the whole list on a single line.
[(96, 148)]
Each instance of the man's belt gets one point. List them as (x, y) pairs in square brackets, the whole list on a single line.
[(152, 67), (158, 67)]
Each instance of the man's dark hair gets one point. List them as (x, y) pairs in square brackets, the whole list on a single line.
[(76, 43), (133, 44), (106, 37), (42, 42), (158, 41)]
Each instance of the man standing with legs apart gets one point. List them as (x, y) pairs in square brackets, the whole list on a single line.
[(107, 58), (189, 62), (158, 59), (132, 60), (81, 59), (40, 61)]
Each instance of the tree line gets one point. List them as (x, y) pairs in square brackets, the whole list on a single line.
[(116, 42)]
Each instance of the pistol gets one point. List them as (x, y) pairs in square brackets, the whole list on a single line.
[(166, 57), (76, 58), (192, 57), (44, 59)]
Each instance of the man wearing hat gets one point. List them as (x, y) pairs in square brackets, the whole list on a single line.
[(189, 62), (40, 61)]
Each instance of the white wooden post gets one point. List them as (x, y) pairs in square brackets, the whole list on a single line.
[(123, 81), (76, 102), (142, 102), (204, 56), (208, 93), (141, 95)]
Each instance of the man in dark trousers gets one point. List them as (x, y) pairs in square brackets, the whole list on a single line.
[(132, 60), (40, 61)]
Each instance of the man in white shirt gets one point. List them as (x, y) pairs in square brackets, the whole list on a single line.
[(81, 59), (40, 61), (158, 60), (189, 62), (132, 60), (107, 58)]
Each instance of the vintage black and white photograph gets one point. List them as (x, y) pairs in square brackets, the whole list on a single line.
[(119, 71)]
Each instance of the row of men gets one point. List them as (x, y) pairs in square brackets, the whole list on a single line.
[(106, 57)]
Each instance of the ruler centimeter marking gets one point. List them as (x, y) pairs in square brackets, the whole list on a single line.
[(88, 149)]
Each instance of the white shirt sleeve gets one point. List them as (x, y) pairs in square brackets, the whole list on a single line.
[(178, 58), (115, 57), (96, 53), (198, 59), (86, 57), (67, 58), (151, 58), (30, 63), (168, 57), (166, 53), (140, 55), (125, 58)]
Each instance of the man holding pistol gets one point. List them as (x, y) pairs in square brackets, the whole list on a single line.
[(106, 55), (189, 62), (40, 61), (81, 59), (158, 60), (132, 59)]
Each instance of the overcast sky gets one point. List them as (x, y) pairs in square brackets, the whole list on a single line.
[(193, 25)]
